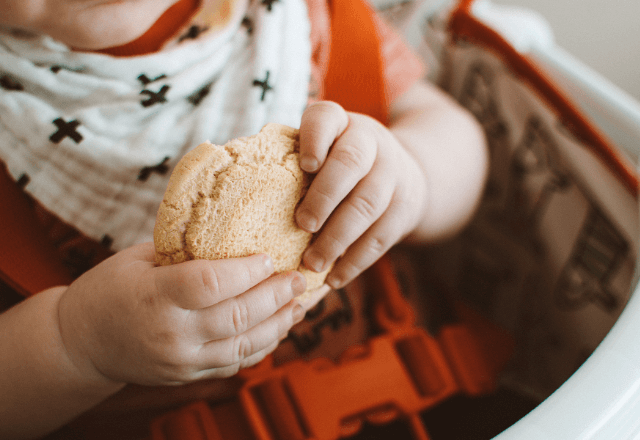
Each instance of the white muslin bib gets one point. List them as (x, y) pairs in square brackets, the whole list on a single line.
[(94, 137)]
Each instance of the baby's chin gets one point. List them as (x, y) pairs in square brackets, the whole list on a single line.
[(106, 24)]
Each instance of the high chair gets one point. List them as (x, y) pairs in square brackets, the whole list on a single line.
[(540, 284)]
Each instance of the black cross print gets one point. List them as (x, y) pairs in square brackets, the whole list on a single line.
[(193, 33), (160, 168), (79, 260), (106, 241), (154, 97), (10, 84), (66, 129), (23, 181), (198, 96), (264, 84), (57, 68), (269, 4), (144, 79), (80, 257), (248, 23)]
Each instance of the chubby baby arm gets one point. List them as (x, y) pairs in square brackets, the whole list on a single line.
[(450, 147), (127, 321), (41, 387), (420, 177)]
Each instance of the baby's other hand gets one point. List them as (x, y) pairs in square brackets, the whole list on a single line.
[(367, 195), (136, 323)]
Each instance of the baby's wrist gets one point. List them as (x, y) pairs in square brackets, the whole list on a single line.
[(418, 190), (79, 361)]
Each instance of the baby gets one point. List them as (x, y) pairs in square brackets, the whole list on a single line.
[(103, 89)]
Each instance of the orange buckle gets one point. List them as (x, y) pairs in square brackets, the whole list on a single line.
[(391, 376), (475, 348)]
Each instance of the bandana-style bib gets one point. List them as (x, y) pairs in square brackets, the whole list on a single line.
[(93, 138)]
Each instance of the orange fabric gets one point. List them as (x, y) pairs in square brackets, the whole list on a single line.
[(401, 67), (163, 29), (354, 76), (28, 261)]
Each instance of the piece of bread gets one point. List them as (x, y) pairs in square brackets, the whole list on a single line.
[(237, 200)]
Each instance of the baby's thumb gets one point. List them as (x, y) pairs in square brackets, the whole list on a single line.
[(198, 284)]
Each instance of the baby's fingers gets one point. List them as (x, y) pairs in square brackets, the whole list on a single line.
[(198, 284), (239, 349), (351, 219), (321, 124), (350, 159), (224, 372), (236, 315), (367, 249)]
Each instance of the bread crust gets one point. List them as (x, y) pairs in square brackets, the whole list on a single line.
[(236, 200)]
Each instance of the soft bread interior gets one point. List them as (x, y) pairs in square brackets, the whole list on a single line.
[(236, 200)]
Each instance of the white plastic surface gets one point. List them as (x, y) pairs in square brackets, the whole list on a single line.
[(613, 110), (601, 400)]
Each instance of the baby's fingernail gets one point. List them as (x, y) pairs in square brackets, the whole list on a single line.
[(306, 220), (314, 261), (268, 263), (308, 164), (298, 284), (334, 281), (297, 314)]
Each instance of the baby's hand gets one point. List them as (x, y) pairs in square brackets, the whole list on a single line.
[(136, 323), (367, 195)]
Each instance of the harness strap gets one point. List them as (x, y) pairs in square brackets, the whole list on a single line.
[(355, 77)]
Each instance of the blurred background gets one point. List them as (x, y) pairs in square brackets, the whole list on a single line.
[(604, 34)]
